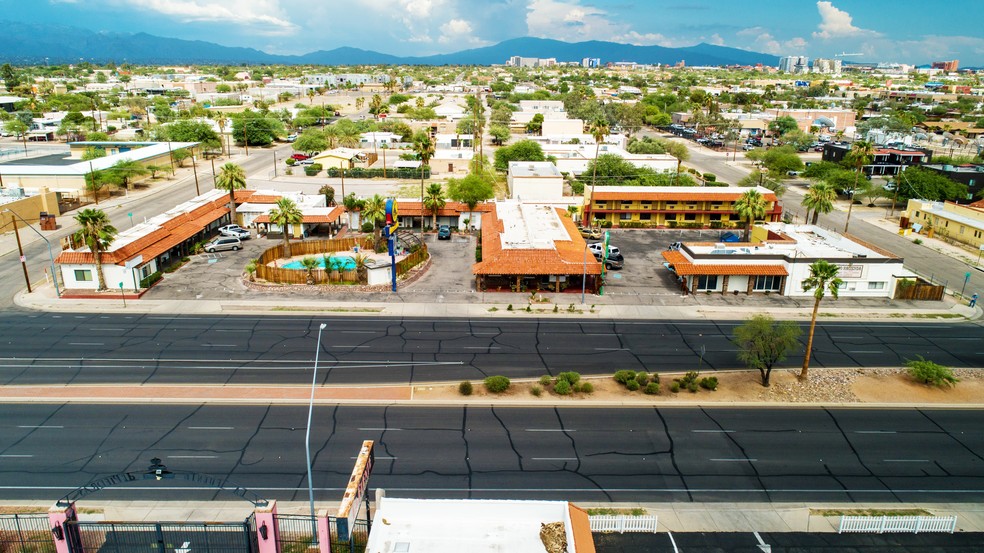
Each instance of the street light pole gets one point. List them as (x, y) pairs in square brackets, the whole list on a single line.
[(54, 275), (307, 438)]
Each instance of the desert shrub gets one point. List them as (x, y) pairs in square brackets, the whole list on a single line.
[(652, 388), (545, 380), (497, 384), (675, 387), (709, 383), (509, 307), (632, 385), (536, 390), (570, 377), (931, 373), (587, 388), (642, 377), (624, 376), (563, 387), (465, 388), (693, 387)]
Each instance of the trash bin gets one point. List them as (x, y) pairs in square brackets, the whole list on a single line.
[(47, 222)]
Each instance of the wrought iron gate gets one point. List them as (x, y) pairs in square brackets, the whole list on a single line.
[(162, 537)]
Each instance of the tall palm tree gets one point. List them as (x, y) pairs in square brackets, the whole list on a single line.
[(221, 120), (286, 215), (434, 201), (374, 212), (375, 104), (424, 148), (599, 130), (97, 234), (861, 153), (231, 177), (749, 207), (823, 278), (819, 198)]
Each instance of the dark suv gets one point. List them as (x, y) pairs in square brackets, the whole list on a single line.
[(613, 263)]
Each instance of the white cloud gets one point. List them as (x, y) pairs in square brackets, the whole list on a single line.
[(716, 40), (570, 21), (765, 42), (254, 13), (835, 22)]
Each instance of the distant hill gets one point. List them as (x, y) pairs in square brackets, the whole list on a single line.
[(25, 43)]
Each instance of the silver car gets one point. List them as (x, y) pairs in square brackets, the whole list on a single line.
[(223, 243)]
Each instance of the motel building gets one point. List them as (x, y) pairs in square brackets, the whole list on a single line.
[(778, 260), (671, 206)]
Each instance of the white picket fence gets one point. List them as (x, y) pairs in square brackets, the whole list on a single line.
[(622, 523), (880, 525)]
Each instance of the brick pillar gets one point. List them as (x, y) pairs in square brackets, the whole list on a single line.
[(724, 285), (267, 531), (57, 517), (324, 533)]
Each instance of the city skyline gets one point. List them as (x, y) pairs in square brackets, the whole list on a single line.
[(425, 27)]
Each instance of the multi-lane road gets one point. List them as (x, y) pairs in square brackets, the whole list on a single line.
[(639, 454), (57, 349)]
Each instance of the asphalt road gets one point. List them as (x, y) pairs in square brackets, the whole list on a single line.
[(644, 454), (798, 542), (99, 349)]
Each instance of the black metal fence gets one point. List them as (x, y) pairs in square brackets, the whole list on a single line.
[(165, 537), (296, 534), (360, 537), (27, 533)]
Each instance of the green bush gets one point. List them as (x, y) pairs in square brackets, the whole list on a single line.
[(536, 390), (709, 383), (313, 169), (509, 307), (689, 377), (465, 388), (931, 373), (692, 386), (624, 376), (563, 387), (675, 387), (642, 377), (652, 388), (632, 385), (290, 161), (710, 177), (545, 380), (587, 388), (367, 227), (150, 279), (570, 377), (497, 384)]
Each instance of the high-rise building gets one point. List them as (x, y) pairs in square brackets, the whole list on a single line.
[(950, 65), (591, 62), (794, 64), (827, 66)]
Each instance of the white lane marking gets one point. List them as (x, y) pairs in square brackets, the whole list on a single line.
[(480, 347), (733, 460), (16, 456), (192, 456), (108, 329), (906, 460), (611, 349), (86, 344), (358, 332), (39, 426), (211, 428), (865, 351), (229, 330), (875, 432), (555, 458), (379, 429), (713, 431), (175, 318), (549, 430), (220, 345), (351, 347)]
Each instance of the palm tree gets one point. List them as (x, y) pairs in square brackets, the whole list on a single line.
[(231, 177), (823, 278), (861, 153), (221, 120), (374, 212), (376, 104), (434, 201), (424, 149), (819, 199), (599, 130), (749, 207), (286, 215), (310, 264), (97, 234), (679, 151)]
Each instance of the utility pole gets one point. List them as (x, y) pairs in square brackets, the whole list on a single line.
[(23, 260), (194, 167)]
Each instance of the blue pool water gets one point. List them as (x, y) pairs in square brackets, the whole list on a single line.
[(348, 264)]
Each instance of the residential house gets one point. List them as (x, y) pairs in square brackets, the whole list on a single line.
[(885, 161), (671, 206), (971, 175)]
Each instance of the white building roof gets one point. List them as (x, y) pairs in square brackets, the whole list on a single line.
[(529, 226), (533, 169), (811, 242), (455, 525), (938, 209), (98, 164)]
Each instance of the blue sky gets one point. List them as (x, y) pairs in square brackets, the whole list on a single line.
[(907, 31)]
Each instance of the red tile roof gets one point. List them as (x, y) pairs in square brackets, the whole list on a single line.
[(566, 258), (450, 209), (685, 267), (670, 195)]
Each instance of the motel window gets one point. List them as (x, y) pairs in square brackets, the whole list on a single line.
[(876, 286), (83, 275), (645, 216), (626, 202), (707, 282), (917, 215), (647, 206), (599, 216), (767, 283), (962, 229), (625, 216), (689, 216), (715, 216), (600, 205), (671, 216)]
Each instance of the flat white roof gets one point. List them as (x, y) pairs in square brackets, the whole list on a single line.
[(811, 243), (939, 209), (533, 169), (456, 525), (529, 226), (98, 164)]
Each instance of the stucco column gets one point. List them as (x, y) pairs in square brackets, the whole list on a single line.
[(57, 517), (266, 527), (751, 284), (324, 533), (724, 285)]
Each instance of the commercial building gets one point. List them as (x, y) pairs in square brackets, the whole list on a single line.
[(533, 247), (671, 206), (827, 66), (961, 223), (971, 175), (534, 180), (885, 161), (778, 260), (794, 64), (949, 65)]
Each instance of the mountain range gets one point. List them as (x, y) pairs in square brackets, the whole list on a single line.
[(26, 43)]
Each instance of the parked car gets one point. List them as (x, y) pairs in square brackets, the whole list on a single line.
[(300, 157), (675, 246), (443, 232), (223, 243), (611, 264), (591, 233), (596, 247), (307, 161), (235, 231), (291, 137)]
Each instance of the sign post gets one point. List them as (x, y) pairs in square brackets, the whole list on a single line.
[(355, 493), (966, 280), (392, 224), (122, 294)]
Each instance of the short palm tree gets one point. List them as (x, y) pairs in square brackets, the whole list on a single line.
[(97, 234), (231, 177), (309, 264), (819, 198), (286, 215), (861, 153), (823, 278), (749, 207), (434, 201), (374, 212)]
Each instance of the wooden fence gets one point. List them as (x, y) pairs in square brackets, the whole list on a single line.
[(918, 290), (317, 248)]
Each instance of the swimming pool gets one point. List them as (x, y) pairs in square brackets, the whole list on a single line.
[(346, 263)]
